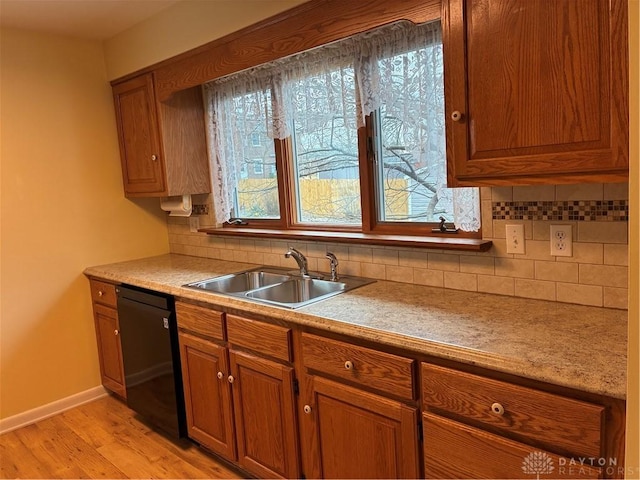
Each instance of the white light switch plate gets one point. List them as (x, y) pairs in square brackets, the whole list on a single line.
[(515, 238)]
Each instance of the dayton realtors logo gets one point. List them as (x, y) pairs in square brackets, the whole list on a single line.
[(537, 463), (541, 463)]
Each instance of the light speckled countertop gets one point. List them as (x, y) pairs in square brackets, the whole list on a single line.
[(569, 345)]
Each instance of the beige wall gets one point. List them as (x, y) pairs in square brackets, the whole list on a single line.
[(181, 27), (63, 209)]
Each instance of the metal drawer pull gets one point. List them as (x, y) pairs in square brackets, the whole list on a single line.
[(348, 365), (231, 379), (220, 375), (307, 409), (100, 293), (116, 332), (497, 409)]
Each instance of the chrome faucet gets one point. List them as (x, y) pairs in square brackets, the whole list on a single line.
[(300, 259), (333, 263)]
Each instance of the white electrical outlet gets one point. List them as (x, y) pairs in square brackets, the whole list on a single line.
[(194, 224), (561, 239), (515, 238)]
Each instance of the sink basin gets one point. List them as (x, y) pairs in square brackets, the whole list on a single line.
[(241, 282), (278, 286), (298, 292)]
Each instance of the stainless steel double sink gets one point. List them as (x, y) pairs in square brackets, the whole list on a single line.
[(279, 286)]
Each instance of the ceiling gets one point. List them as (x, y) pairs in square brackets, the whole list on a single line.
[(90, 19)]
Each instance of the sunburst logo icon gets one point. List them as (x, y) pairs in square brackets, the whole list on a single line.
[(537, 463)]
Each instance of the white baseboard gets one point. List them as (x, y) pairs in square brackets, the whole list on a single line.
[(40, 413)]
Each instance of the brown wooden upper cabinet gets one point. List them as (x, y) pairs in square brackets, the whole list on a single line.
[(536, 91), (162, 144)]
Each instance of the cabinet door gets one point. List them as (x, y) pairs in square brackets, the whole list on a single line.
[(454, 450), (207, 394), (356, 434), (541, 90), (142, 166), (109, 349), (266, 426)]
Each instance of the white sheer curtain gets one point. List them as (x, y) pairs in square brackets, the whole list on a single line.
[(385, 77)]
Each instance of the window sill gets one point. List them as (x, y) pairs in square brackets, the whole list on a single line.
[(440, 243)]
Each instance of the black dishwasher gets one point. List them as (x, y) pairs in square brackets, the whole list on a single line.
[(151, 357)]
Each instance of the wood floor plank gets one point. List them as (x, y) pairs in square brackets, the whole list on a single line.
[(89, 425), (68, 445), (134, 463), (122, 419), (17, 461), (194, 456), (102, 439), (150, 451), (44, 450)]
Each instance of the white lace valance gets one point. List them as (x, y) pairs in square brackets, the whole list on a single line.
[(383, 65)]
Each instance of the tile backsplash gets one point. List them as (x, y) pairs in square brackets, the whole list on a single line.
[(596, 273)]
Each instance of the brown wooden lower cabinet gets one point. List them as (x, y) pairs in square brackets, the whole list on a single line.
[(207, 394), (105, 315), (239, 386), (356, 434), (109, 349), (239, 405), (455, 450), (264, 406)]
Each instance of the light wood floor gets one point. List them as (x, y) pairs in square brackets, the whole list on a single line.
[(101, 439)]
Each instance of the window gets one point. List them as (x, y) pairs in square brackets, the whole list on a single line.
[(356, 133), (325, 149)]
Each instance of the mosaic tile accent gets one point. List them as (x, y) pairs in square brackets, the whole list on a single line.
[(578, 210), (200, 209)]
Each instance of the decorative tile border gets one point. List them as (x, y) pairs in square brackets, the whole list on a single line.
[(582, 210), (200, 209)]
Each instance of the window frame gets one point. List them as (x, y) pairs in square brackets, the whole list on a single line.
[(369, 203)]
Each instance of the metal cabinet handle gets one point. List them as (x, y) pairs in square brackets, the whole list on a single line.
[(497, 409), (154, 158), (348, 365), (456, 116), (100, 293), (220, 375), (116, 332), (230, 378), (307, 409)]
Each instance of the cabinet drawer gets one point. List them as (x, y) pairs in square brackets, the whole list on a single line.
[(103, 292), (379, 370), (200, 320), (272, 340), (562, 422), (454, 450)]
